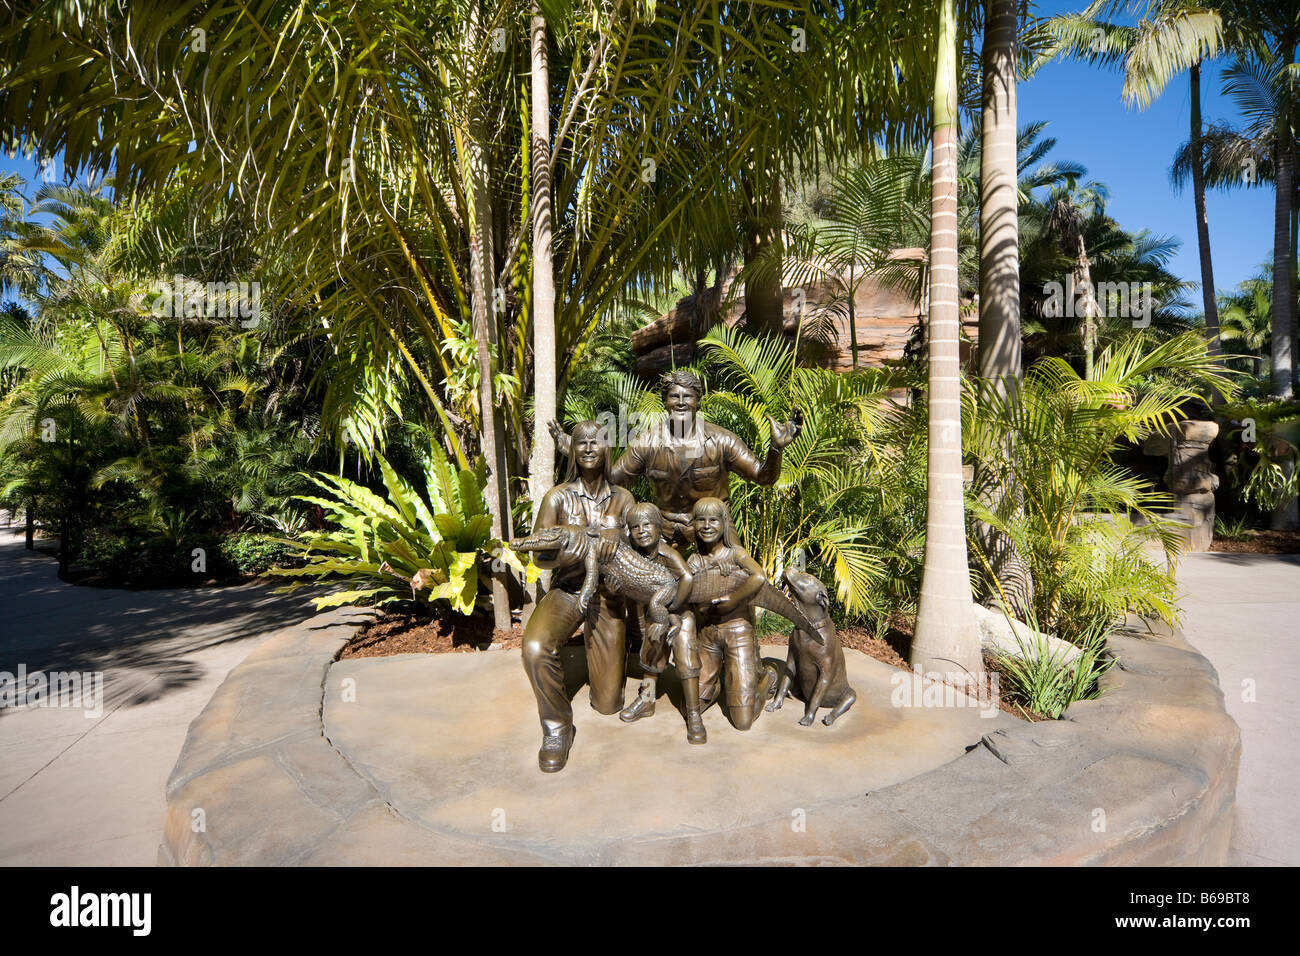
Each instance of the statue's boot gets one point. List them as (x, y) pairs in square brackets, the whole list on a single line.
[(555, 750), (643, 705), (695, 732)]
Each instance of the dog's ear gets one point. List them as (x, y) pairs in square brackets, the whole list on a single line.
[(823, 599)]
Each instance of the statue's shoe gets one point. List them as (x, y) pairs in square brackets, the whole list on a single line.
[(555, 750), (695, 732), (640, 707)]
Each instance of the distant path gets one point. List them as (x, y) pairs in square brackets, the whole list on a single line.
[(1242, 611), (89, 791)]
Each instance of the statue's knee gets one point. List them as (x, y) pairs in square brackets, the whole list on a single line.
[(534, 649), (743, 717)]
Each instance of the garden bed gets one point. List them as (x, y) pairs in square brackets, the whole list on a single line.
[(445, 633), (1259, 542)]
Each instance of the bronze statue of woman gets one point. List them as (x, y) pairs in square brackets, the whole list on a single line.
[(585, 497)]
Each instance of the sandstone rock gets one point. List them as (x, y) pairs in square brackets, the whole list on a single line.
[(1002, 635)]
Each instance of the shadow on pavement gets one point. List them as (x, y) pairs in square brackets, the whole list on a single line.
[(143, 641)]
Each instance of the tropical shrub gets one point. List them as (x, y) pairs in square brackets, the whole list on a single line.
[(130, 557), (1047, 480), (826, 507), (1043, 681), (382, 543), (253, 554), (1264, 471)]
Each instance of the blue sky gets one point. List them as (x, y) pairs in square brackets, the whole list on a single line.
[(1128, 150), (1131, 150)]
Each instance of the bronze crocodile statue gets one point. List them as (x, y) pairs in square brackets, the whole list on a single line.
[(645, 581)]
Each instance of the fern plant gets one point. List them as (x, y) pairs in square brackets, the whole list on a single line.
[(825, 508), (405, 546)]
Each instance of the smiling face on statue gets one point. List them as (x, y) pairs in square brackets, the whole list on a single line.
[(709, 520), (681, 402), (644, 527), (590, 448)]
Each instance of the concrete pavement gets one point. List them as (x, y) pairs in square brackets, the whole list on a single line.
[(85, 785), (1242, 611)]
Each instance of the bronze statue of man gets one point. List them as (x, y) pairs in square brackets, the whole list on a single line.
[(587, 498), (687, 460)]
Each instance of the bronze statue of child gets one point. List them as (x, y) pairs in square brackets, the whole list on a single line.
[(726, 579), (645, 531)]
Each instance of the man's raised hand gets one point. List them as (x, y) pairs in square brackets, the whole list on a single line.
[(782, 435), (563, 443)]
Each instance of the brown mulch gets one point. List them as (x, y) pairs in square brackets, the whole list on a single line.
[(411, 634), (1260, 542)]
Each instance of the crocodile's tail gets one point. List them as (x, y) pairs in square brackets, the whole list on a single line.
[(771, 599)]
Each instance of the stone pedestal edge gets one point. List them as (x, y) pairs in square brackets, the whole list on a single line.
[(1144, 775)]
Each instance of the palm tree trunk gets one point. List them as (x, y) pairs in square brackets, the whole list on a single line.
[(1283, 317), (853, 316), (946, 639), (483, 315), (999, 323), (1202, 220), (541, 470), (764, 300), (1295, 267), (1089, 335), (999, 327)]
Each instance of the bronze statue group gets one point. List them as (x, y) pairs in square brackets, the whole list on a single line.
[(611, 556)]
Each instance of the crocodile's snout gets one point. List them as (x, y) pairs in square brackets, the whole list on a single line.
[(539, 542)]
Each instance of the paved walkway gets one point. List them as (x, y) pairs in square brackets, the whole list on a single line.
[(1242, 611), (89, 790)]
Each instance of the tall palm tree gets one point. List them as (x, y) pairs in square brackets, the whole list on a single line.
[(1116, 258), (1066, 221), (1269, 33), (946, 639), (542, 466), (999, 326), (1266, 92), (1246, 157)]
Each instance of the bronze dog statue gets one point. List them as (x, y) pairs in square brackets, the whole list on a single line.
[(814, 668)]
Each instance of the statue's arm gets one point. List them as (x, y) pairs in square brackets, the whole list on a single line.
[(610, 538), (749, 588), (630, 464), (745, 463), (563, 440), (673, 560), (547, 515)]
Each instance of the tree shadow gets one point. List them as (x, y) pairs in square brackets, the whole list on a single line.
[(143, 641)]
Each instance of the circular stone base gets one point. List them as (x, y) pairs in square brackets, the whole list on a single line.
[(450, 743)]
